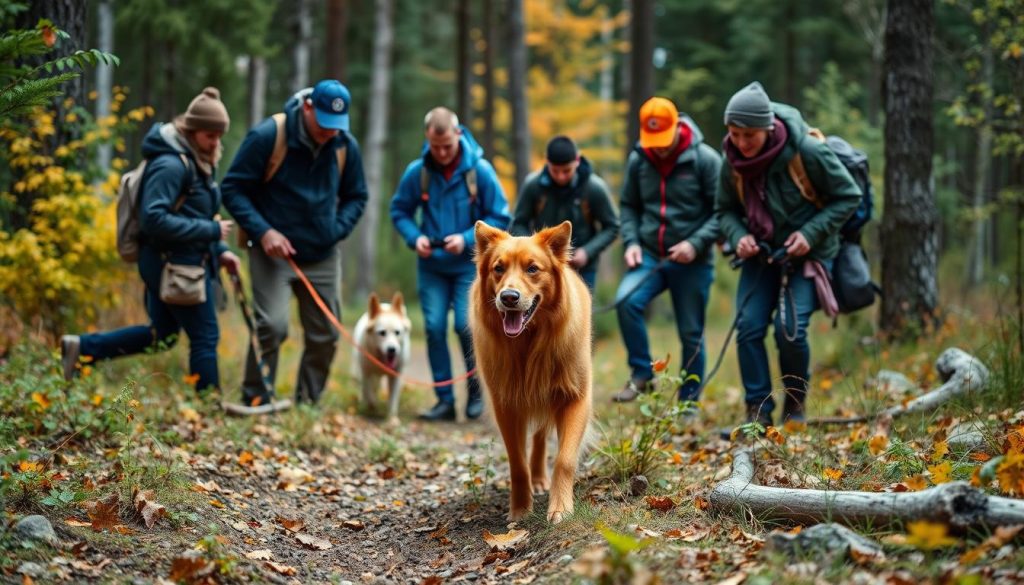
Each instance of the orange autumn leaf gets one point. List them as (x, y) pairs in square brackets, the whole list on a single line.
[(826, 384), (191, 379), (915, 483), (939, 450), (701, 503), (773, 434), (940, 473), (41, 400), (660, 365), (792, 426), (832, 474), (677, 458), (245, 458), (878, 444), (49, 36), (25, 466), (1010, 473), (980, 457), (660, 503)]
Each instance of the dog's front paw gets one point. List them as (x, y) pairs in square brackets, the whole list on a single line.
[(540, 485), (557, 513), (555, 517)]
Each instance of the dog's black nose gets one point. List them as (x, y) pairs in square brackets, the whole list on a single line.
[(509, 298), (391, 352)]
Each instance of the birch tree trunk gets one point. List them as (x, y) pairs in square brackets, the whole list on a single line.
[(463, 72), (104, 76), (380, 89), (910, 223), (257, 90), (300, 52), (490, 38), (517, 90)]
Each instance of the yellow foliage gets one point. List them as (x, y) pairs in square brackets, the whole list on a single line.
[(929, 535), (60, 263), (940, 473), (1011, 474)]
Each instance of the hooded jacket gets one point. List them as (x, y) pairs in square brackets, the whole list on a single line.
[(789, 210), (305, 200), (659, 213), (563, 203), (191, 230), (447, 209)]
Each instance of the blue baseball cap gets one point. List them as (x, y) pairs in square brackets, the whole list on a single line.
[(330, 103)]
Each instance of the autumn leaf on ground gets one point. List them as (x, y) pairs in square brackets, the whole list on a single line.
[(145, 505), (41, 400), (288, 478), (773, 434), (291, 525), (832, 474), (929, 535), (259, 555), (878, 444), (939, 450), (77, 522), (504, 541), (245, 458), (701, 503), (659, 365), (688, 535), (915, 483), (189, 567), (793, 426), (283, 569), (1011, 473), (940, 473), (103, 513), (659, 503), (353, 525), (313, 542)]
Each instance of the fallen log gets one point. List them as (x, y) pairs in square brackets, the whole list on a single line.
[(956, 503), (961, 374)]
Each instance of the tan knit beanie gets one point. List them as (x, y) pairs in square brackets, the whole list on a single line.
[(207, 112)]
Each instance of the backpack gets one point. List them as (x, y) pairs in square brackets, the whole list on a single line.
[(470, 185), (128, 209), (577, 201)]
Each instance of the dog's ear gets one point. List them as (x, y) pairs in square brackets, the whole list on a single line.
[(398, 302), (557, 239), (374, 305), (487, 236)]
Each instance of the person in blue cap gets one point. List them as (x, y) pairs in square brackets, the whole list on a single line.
[(296, 188)]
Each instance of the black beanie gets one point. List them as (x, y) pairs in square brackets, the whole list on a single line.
[(561, 150)]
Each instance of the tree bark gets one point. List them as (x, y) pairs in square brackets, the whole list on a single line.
[(517, 90), (490, 38), (910, 222), (982, 167), (71, 16), (870, 17), (641, 67), (104, 77), (463, 73), (336, 26), (955, 503), (257, 89), (377, 118), (300, 52)]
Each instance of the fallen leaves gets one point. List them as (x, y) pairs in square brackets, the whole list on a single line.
[(291, 525), (353, 525), (660, 503), (103, 514), (929, 535), (146, 506), (506, 541), (313, 542), (832, 474), (878, 444), (259, 555), (1010, 473), (940, 473)]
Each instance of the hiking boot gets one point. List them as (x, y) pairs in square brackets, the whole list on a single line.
[(793, 407), (70, 351), (755, 413), (244, 409), (441, 411), (633, 388), (474, 405)]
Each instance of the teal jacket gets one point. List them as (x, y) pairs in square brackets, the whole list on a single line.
[(789, 210), (658, 214), (585, 201)]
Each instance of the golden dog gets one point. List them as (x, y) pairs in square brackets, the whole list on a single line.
[(530, 319)]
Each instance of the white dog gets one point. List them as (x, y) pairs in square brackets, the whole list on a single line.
[(383, 332)]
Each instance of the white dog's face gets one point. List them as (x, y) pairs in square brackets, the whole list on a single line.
[(388, 331)]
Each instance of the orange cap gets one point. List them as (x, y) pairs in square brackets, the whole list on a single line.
[(659, 119)]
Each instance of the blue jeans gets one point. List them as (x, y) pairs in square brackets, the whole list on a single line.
[(442, 290), (689, 286), (589, 276), (762, 283), (198, 321)]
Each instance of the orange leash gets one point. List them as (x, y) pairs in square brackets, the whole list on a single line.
[(348, 336)]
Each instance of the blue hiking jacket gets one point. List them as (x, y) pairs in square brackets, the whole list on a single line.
[(447, 210), (305, 200), (190, 230)]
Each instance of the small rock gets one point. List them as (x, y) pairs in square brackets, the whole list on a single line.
[(891, 383), (471, 576), (967, 435), (37, 528), (638, 485), (565, 559), (829, 539), (31, 569)]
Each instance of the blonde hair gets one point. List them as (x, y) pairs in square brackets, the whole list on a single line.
[(440, 120)]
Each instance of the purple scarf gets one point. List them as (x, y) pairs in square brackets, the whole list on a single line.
[(753, 170)]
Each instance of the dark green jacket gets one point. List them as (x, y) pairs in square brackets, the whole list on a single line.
[(586, 196), (659, 214), (789, 210)]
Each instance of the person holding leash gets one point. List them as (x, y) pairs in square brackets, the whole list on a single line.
[(296, 187), (452, 186), (179, 234), (668, 226), (760, 201)]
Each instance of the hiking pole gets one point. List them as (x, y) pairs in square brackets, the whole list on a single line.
[(270, 405)]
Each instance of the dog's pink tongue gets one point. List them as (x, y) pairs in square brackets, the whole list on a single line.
[(513, 322)]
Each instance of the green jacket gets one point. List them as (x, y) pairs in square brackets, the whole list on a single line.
[(586, 202), (657, 214), (789, 210)]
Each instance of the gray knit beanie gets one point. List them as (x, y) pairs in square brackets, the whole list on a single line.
[(750, 108), (207, 112)]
